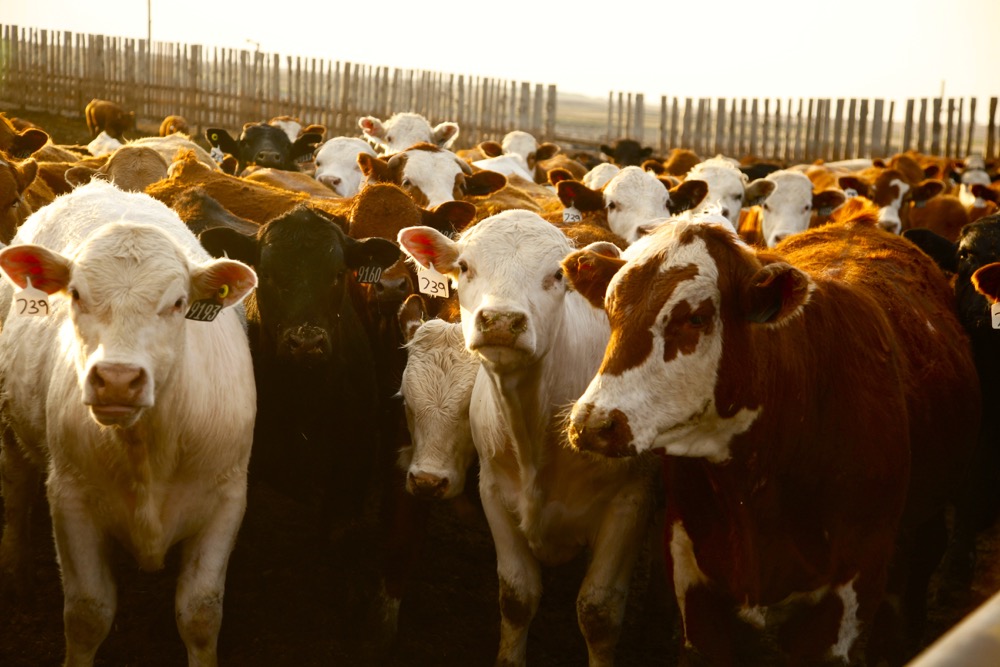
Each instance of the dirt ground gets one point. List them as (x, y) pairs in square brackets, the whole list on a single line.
[(291, 600)]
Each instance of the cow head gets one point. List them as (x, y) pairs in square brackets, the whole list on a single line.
[(303, 260), (510, 285), (15, 177), (430, 175), (437, 392), (20, 143), (726, 188), (337, 164), (403, 130), (681, 290), (787, 204), (263, 145), (627, 152), (130, 287)]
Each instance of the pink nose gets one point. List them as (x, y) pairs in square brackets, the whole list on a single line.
[(426, 485), (595, 430), (117, 384)]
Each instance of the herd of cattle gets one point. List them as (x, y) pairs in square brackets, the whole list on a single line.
[(781, 367)]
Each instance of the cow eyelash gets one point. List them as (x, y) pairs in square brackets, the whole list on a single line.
[(463, 267)]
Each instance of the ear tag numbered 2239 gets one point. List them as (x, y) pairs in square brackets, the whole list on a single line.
[(31, 301)]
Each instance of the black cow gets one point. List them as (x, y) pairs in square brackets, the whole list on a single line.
[(978, 245), (627, 152), (264, 145)]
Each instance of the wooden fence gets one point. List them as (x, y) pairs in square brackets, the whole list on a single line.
[(808, 129), (59, 72)]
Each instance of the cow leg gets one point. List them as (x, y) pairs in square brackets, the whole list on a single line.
[(520, 581), (89, 593), (202, 580), (20, 486), (600, 604)]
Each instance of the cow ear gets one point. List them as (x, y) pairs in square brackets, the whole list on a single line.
[(374, 169), (411, 315), (546, 151), (222, 140), (48, 271), (941, 250), (654, 166), (81, 175), (484, 182), (826, 201), (986, 280), (428, 246), (607, 150), (27, 142), (372, 251), (578, 195), (980, 191), (590, 269), (645, 152), (227, 242), (687, 195), (757, 191), (224, 280), (854, 184), (456, 213), (305, 144), (25, 173), (491, 148), (926, 189), (444, 134), (558, 175), (774, 293)]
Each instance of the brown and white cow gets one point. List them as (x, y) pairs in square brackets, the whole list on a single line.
[(538, 343), (806, 435), (139, 418)]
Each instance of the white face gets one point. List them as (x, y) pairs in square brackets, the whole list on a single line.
[(657, 381), (129, 292), (437, 390), (787, 210), (726, 186), (521, 146), (888, 215), (432, 172), (632, 198), (599, 176), (337, 164), (403, 130), (509, 280)]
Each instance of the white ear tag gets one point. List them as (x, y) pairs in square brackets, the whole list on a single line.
[(995, 314), (217, 154), (31, 301), (432, 282), (572, 214)]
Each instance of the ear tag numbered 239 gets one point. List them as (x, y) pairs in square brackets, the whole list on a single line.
[(31, 301), (995, 315), (432, 283), (572, 214)]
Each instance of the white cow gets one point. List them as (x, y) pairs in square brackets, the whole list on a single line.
[(437, 391), (337, 164), (598, 177), (103, 144), (140, 419), (634, 196), (726, 187), (787, 209), (539, 344), (403, 130)]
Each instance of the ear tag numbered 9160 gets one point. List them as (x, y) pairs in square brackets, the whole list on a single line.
[(31, 301), (432, 283), (369, 274), (206, 310)]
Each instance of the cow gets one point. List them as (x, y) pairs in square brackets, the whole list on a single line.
[(626, 152), (21, 193), (104, 144), (538, 343), (108, 117), (436, 389), (893, 190), (632, 198), (174, 124), (406, 129), (790, 205), (263, 145), (337, 164), (141, 423), (318, 438), (20, 143), (132, 167), (795, 476), (727, 188)]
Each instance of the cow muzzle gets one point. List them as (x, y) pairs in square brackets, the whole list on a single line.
[(306, 345), (268, 159), (594, 429), (427, 485), (117, 392), (497, 328)]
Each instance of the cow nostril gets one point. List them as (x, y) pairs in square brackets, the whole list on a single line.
[(518, 324)]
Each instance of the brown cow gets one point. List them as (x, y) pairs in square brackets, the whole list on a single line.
[(21, 194), (809, 442), (174, 124), (109, 117), (132, 168)]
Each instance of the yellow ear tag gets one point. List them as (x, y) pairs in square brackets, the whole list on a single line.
[(223, 292)]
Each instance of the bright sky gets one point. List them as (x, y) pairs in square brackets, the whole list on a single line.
[(713, 48)]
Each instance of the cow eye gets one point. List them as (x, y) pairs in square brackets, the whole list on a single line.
[(766, 207), (697, 321), (75, 294), (179, 303), (611, 206), (463, 267), (388, 138), (806, 207), (559, 275), (406, 183)]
